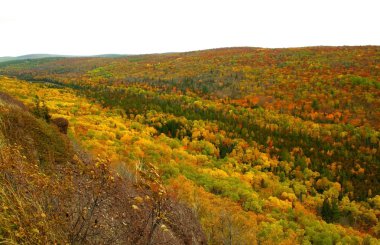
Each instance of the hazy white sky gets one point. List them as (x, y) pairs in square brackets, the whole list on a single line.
[(85, 27)]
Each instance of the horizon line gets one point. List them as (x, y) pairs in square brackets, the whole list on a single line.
[(178, 52)]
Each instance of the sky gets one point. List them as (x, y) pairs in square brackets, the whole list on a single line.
[(91, 27)]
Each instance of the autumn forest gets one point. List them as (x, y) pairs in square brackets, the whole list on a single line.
[(222, 146)]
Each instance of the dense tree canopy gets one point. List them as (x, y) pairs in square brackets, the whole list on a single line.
[(272, 146)]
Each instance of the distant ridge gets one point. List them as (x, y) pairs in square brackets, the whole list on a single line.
[(221, 49), (32, 57), (41, 56)]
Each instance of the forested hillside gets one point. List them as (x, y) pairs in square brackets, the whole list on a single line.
[(266, 146), (311, 83), (53, 192)]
